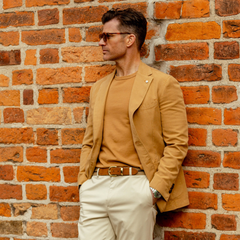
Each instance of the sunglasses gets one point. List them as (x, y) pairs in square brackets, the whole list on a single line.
[(106, 36)]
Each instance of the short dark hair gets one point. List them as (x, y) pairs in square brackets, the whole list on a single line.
[(130, 20)]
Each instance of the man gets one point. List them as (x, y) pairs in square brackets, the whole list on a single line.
[(135, 141)]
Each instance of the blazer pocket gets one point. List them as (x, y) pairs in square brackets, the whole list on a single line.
[(150, 103)]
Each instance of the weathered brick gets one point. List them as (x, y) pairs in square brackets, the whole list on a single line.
[(96, 72), (226, 50), (13, 115), (12, 57), (16, 19), (4, 81), (16, 135), (224, 222), (24, 76), (234, 72), (9, 38), (153, 30), (232, 116), (185, 51), (195, 9), (203, 200), (202, 158), (72, 136), (231, 28), (8, 191), (70, 213), (224, 94), (43, 37), (84, 54), (37, 173), (64, 194), (13, 154), (76, 95), (48, 96), (11, 227), (40, 3), (49, 211), (57, 115), (28, 97), (74, 35), (197, 137), (226, 181), (193, 31), (168, 10), (47, 136), (82, 1), (11, 3), (229, 237), (37, 229), (177, 235), (36, 154), (64, 230), (78, 114), (92, 33), (225, 137), (83, 14), (196, 95), (5, 210), (140, 6), (19, 209), (36, 192), (230, 202), (65, 155), (48, 17), (227, 7), (31, 58), (49, 55), (70, 174), (196, 179), (182, 220), (48, 76), (231, 160), (6, 172)]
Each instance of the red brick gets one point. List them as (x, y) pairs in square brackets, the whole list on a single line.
[(6, 172), (202, 158), (43, 37), (13, 154), (5, 210), (229, 237), (3, 238), (96, 72), (197, 136), (230, 202), (204, 116), (177, 235), (36, 173), (195, 9), (196, 95), (13, 115), (65, 155), (31, 58), (16, 19), (9, 38), (226, 181), (24, 76), (145, 50), (11, 227), (83, 14), (47, 136), (168, 10), (36, 192), (41, 211), (8, 191), (36, 154), (70, 174), (76, 95), (232, 116), (82, 1), (92, 33), (11, 3), (234, 72), (203, 200), (28, 97), (48, 76), (70, 213), (78, 114), (72, 136), (64, 230), (182, 220), (231, 160), (225, 137), (49, 55), (48, 17), (226, 50), (48, 96), (185, 51), (193, 31), (74, 35), (196, 179), (4, 81), (224, 222), (153, 30), (231, 28), (40, 3), (227, 7), (12, 57), (64, 194), (16, 135), (141, 6), (37, 229), (224, 94)]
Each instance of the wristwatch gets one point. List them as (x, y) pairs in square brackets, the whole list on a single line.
[(156, 193)]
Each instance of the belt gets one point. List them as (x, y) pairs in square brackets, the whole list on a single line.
[(115, 171)]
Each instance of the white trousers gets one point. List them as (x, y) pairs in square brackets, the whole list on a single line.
[(116, 208)]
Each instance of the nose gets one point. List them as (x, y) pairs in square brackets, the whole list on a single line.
[(101, 42)]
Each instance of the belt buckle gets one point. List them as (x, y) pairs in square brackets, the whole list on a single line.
[(114, 175)]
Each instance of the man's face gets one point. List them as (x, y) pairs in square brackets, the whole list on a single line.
[(114, 48)]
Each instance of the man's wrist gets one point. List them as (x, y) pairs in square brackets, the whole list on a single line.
[(156, 194)]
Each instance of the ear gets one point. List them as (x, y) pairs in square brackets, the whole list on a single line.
[(131, 39)]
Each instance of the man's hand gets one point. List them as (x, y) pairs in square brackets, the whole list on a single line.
[(154, 200)]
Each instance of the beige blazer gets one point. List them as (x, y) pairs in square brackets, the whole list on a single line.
[(159, 128)]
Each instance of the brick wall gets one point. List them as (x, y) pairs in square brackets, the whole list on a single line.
[(49, 59)]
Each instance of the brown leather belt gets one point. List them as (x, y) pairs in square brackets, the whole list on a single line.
[(115, 171)]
